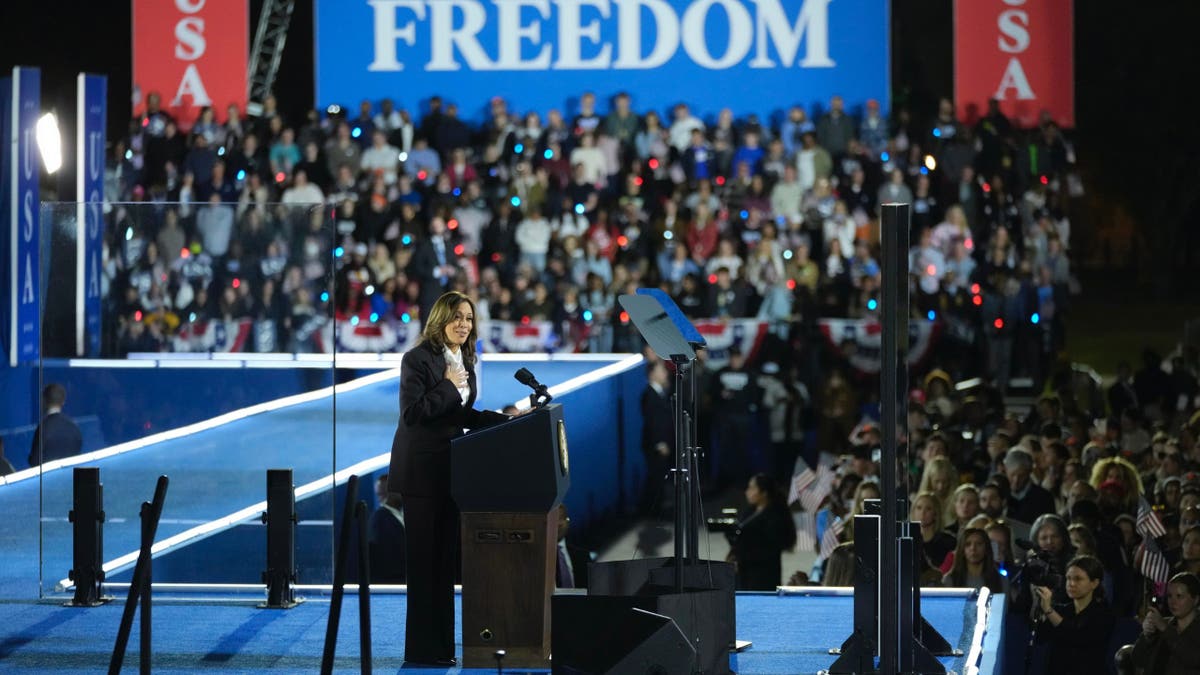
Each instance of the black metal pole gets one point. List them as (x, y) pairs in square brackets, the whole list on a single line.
[(339, 578), (149, 522), (141, 582), (680, 469), (694, 461), (894, 301), (280, 518), (364, 586), (87, 518)]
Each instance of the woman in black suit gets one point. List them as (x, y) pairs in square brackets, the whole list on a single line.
[(437, 391), (764, 531)]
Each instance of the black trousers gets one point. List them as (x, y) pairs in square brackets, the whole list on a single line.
[(431, 535)]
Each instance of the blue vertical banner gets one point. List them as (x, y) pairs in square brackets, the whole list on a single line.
[(24, 215), (89, 195)]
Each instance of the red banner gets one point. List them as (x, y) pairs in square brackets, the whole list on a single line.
[(192, 53), (1019, 52)]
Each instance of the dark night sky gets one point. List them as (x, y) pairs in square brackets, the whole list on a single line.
[(1134, 72)]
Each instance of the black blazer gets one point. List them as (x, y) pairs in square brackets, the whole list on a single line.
[(431, 414)]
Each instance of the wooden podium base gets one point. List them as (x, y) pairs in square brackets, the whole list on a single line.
[(509, 561)]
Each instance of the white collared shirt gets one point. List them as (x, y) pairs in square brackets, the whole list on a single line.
[(455, 358)]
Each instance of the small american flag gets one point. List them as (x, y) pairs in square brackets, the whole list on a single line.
[(800, 482), (1154, 564), (814, 495), (806, 531), (829, 540), (1148, 524)]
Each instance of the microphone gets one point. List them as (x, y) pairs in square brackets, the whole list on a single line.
[(540, 396), (526, 378)]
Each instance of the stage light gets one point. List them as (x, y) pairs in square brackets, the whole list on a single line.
[(998, 323), (937, 132), (549, 154), (653, 163), (405, 318), (404, 157), (456, 192), (587, 315), (668, 235), (374, 317), (369, 290), (241, 175), (525, 320), (974, 289), (459, 249), (744, 214), (883, 157), (978, 300), (324, 296), (49, 142), (137, 316), (356, 132), (406, 239), (128, 234), (622, 241), (185, 253), (1035, 319), (932, 315), (579, 209), (421, 175), (354, 320), (720, 180), (791, 284), (787, 254), (712, 278), (339, 252), (931, 270), (519, 148), (237, 283), (637, 180), (872, 304), (516, 201), (930, 163), (624, 317), (452, 223)]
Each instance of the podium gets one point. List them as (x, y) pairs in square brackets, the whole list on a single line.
[(507, 479)]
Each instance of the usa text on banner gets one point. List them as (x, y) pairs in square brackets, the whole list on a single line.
[(192, 53), (23, 166), (1020, 53), (89, 188)]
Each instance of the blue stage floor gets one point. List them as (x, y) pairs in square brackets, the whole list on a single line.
[(791, 635), (218, 471)]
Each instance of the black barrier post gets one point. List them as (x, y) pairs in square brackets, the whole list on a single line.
[(339, 578), (923, 632), (914, 657), (140, 587), (894, 417), (364, 586), (87, 518), (857, 654), (280, 518)]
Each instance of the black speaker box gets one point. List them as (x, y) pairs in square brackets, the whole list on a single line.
[(610, 635)]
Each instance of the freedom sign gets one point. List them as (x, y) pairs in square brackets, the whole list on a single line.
[(753, 56)]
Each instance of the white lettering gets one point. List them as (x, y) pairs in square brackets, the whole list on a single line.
[(190, 33), (28, 221), (95, 160), (740, 33), (629, 34), (446, 37), (27, 295), (572, 32), (1014, 25), (1014, 78), (189, 7), (771, 25), (95, 205), (27, 163), (93, 286), (511, 33), (191, 85), (387, 33)]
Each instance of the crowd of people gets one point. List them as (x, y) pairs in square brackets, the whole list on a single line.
[(545, 216), (1084, 510)]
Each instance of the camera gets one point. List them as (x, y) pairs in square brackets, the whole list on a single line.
[(1040, 572)]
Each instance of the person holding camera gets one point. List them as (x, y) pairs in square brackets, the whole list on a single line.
[(1171, 646), (1045, 564), (1074, 630)]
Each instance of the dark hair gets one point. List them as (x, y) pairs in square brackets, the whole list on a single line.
[(1091, 567), (1189, 580), (440, 316), (839, 566), (776, 500), (957, 576), (54, 395)]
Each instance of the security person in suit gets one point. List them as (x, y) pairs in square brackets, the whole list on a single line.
[(437, 392), (57, 436)]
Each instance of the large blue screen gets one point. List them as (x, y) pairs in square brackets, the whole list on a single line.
[(753, 56)]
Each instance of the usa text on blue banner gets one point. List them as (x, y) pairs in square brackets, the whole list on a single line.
[(89, 177), (25, 169), (753, 56)]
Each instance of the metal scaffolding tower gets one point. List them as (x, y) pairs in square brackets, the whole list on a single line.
[(267, 50)]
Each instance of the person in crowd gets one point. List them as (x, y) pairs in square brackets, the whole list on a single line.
[(1074, 629), (57, 436), (839, 566), (764, 531), (386, 537), (1171, 645), (572, 565), (973, 564), (437, 394), (1026, 500), (936, 543)]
